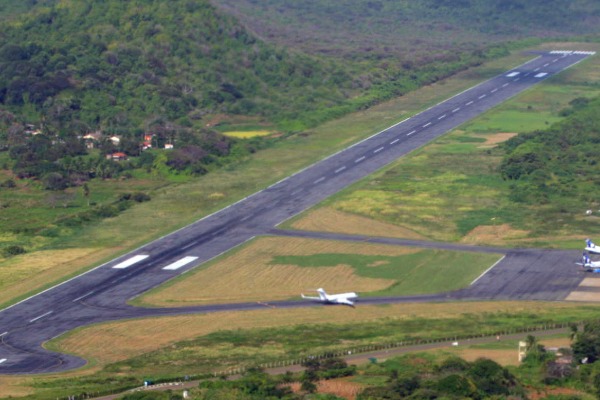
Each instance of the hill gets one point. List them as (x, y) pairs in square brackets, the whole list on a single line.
[(413, 31)]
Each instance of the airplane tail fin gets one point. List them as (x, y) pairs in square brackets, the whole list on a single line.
[(322, 293)]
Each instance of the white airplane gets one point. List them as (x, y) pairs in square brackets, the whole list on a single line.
[(589, 264), (343, 298), (591, 247)]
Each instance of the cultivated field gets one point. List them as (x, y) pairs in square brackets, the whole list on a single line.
[(276, 268)]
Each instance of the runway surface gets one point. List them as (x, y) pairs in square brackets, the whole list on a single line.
[(101, 293)]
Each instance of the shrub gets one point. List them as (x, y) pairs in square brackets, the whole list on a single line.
[(13, 251)]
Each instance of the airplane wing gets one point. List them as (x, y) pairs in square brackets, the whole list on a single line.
[(311, 297)]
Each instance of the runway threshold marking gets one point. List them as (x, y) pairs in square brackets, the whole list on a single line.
[(40, 316), (129, 262), (178, 264), (340, 169), (541, 74), (512, 74)]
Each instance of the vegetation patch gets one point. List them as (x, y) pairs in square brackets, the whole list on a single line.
[(281, 268), (247, 134)]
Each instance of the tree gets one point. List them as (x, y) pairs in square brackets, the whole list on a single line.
[(587, 344), (86, 192)]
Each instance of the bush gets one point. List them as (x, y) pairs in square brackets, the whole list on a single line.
[(13, 250)]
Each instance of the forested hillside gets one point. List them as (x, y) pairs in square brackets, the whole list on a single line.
[(558, 166), (413, 31)]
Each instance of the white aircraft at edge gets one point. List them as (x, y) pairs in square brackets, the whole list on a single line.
[(347, 299), (589, 264), (591, 247)]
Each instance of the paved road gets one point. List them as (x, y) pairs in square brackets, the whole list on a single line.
[(101, 294)]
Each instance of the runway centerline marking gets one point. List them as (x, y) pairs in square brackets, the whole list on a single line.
[(426, 125), (410, 133), (442, 117), (394, 141), (3, 360), (340, 169), (537, 69), (506, 84), (131, 261), (378, 150), (494, 90), (321, 179), (482, 96), (456, 109), (469, 103), (178, 264), (40, 316), (359, 159), (516, 79), (545, 65)]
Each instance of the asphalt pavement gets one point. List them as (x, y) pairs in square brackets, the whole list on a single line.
[(101, 294)]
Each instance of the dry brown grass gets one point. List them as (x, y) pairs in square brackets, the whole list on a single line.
[(246, 274), (493, 234), (494, 139), (115, 341), (15, 386), (32, 271), (339, 387), (327, 219)]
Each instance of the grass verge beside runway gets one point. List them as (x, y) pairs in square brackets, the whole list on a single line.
[(451, 190), (279, 268), (130, 351)]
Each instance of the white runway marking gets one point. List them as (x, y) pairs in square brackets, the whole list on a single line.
[(394, 141), (482, 96), (545, 65), (494, 90), (321, 179), (378, 150), (359, 159), (469, 103), (410, 133), (516, 79), (541, 75), (131, 261), (456, 109), (555, 60), (512, 74), (426, 125), (180, 263), (536, 70), (442, 117), (2, 360), (81, 297), (487, 270), (340, 169), (2, 334), (40, 316), (506, 84)]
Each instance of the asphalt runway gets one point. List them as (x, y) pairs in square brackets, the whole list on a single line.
[(101, 294)]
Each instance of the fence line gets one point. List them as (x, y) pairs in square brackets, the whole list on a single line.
[(324, 355)]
